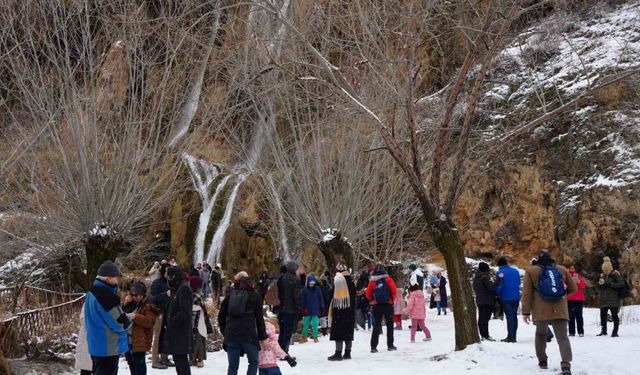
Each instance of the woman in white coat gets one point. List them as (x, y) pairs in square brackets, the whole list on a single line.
[(83, 358)]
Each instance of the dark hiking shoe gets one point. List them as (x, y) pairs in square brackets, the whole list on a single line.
[(566, 371), (392, 348), (602, 334), (336, 357), (374, 350), (159, 366), (543, 364), (508, 339), (614, 335), (347, 354), (488, 338)]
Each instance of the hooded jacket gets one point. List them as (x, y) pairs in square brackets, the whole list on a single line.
[(290, 291), (312, 299), (415, 305), (247, 327), (484, 288), (269, 357), (417, 278), (105, 321), (177, 323)]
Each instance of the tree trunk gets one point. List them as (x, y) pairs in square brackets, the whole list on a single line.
[(336, 250), (99, 249), (449, 243)]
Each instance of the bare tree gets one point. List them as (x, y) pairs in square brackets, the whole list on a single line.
[(94, 92)]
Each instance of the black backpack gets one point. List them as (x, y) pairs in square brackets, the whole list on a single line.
[(238, 302)]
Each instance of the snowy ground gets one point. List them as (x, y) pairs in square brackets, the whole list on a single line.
[(591, 354)]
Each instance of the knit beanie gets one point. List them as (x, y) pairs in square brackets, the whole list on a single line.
[(483, 267), (607, 267), (109, 269), (139, 288), (413, 267)]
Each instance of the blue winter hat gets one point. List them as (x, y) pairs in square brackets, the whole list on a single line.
[(311, 279)]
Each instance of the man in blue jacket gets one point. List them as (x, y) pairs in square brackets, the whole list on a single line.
[(105, 321), (508, 290)]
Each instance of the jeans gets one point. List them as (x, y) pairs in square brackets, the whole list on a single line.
[(314, 326), (234, 349), (287, 323), (379, 311), (270, 371), (484, 314), (575, 317), (137, 362), (363, 317), (511, 313), (441, 308), (105, 365), (560, 328), (614, 317), (182, 364)]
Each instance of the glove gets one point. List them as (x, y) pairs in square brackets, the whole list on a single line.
[(291, 361), (304, 312)]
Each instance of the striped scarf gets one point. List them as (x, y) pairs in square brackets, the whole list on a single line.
[(341, 298)]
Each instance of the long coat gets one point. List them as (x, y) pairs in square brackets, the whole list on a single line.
[(343, 321), (485, 289), (177, 334), (539, 308), (608, 296), (443, 291)]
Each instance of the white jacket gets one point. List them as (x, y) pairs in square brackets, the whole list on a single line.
[(83, 359)]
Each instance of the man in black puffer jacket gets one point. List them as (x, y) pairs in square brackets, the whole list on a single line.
[(290, 309), (241, 322), (177, 335), (484, 288)]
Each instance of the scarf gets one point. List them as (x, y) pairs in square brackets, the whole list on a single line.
[(341, 298)]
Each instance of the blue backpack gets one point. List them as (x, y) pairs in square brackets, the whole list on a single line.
[(550, 283), (381, 292)]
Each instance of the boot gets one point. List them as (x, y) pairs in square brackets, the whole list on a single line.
[(337, 356), (602, 334), (303, 339), (324, 331), (566, 371), (543, 364), (316, 340), (347, 354)]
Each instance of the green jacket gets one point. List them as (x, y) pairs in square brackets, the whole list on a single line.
[(609, 290)]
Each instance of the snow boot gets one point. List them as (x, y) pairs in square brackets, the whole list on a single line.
[(392, 348), (566, 371), (543, 364), (337, 356), (302, 340), (374, 350), (316, 340), (347, 354)]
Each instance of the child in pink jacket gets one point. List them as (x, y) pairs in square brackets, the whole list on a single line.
[(417, 312), (268, 358)]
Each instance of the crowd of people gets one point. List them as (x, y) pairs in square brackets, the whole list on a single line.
[(170, 318)]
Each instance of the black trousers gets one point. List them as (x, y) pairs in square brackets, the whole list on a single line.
[(614, 317), (182, 364), (380, 311), (105, 365), (575, 317), (484, 314)]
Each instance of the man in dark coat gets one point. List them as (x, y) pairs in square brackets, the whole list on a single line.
[(241, 322), (160, 298), (484, 288), (216, 284), (290, 309), (443, 293), (343, 314), (178, 327)]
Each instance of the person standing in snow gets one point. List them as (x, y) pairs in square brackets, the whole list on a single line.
[(290, 308), (398, 307), (609, 283), (154, 272), (144, 317), (343, 312), (508, 290), (205, 275), (216, 284), (160, 296), (178, 326), (417, 312), (105, 321), (362, 313), (575, 302), (442, 285), (242, 324), (416, 277), (201, 325), (312, 303), (263, 284), (270, 352), (327, 295), (545, 312), (485, 290), (381, 291)]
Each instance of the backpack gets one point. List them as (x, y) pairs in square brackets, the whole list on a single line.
[(271, 297), (625, 291), (550, 283), (238, 302), (381, 292)]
